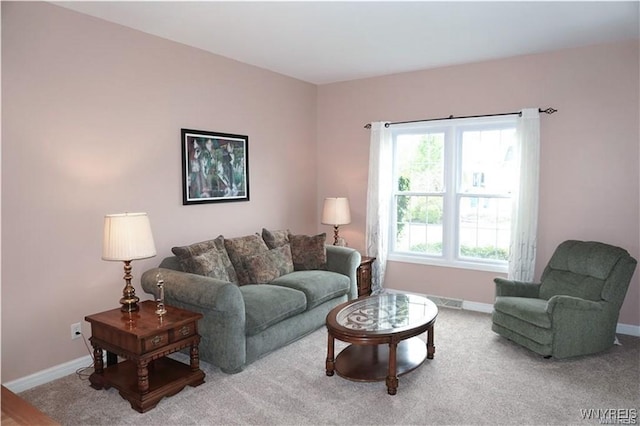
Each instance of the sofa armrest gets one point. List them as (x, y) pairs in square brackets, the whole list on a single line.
[(222, 328), (512, 288), (345, 261)]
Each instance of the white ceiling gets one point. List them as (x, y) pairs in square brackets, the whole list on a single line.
[(327, 41)]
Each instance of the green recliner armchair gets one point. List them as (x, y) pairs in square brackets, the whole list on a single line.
[(574, 309)]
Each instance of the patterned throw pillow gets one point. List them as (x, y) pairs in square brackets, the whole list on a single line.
[(239, 249), (308, 252), (186, 256), (266, 267), (275, 239), (209, 264)]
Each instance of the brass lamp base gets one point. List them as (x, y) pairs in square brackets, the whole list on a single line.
[(335, 235), (129, 299)]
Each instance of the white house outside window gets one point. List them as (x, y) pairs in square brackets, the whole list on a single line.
[(453, 182)]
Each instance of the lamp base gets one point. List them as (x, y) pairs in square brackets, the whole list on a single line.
[(129, 304), (129, 299), (335, 235)]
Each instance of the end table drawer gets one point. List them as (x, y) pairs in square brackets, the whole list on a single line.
[(154, 342), (182, 332)]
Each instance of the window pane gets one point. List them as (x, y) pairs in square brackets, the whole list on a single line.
[(485, 227), (420, 162), (488, 165), (419, 224)]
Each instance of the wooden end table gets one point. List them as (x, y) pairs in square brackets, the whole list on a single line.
[(363, 275), (144, 339)]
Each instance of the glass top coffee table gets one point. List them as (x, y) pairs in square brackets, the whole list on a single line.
[(382, 330)]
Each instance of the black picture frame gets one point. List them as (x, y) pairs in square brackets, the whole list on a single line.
[(215, 167)]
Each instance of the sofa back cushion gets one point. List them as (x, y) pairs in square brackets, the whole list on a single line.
[(241, 248), (207, 258), (275, 239), (267, 266)]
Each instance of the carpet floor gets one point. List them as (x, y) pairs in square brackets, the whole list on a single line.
[(476, 377)]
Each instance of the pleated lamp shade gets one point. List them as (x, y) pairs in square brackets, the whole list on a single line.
[(336, 211), (127, 236)]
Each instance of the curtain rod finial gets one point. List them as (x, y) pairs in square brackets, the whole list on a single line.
[(548, 110)]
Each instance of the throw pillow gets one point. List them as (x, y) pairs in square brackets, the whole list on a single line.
[(209, 264), (275, 239), (266, 267), (308, 252), (239, 249), (186, 255)]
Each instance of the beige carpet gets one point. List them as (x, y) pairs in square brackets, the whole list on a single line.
[(476, 377)]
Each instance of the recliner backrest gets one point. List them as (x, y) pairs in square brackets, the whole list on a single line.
[(582, 269)]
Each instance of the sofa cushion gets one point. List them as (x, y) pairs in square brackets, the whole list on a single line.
[(275, 239), (266, 305), (308, 252), (269, 265), (208, 258), (318, 286), (530, 310), (239, 249)]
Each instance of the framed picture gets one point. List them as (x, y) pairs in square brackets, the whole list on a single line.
[(215, 167)]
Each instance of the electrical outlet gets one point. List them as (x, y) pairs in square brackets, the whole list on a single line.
[(76, 330)]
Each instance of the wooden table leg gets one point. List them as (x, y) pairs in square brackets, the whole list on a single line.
[(331, 362), (98, 363), (392, 378), (96, 380), (431, 349), (143, 376), (194, 357)]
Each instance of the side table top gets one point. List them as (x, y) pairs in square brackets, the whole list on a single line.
[(144, 322)]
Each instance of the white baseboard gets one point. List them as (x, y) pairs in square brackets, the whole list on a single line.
[(631, 330), (58, 371), (628, 329), (48, 375)]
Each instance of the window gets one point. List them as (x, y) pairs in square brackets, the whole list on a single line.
[(452, 187)]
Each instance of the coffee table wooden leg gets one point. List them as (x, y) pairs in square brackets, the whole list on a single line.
[(392, 378), (331, 362), (431, 349)]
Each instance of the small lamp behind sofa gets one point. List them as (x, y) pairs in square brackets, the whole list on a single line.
[(336, 212)]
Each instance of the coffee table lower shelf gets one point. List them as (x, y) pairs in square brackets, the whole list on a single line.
[(167, 377), (370, 363)]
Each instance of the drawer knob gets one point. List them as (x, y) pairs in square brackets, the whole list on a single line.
[(184, 330), (156, 340)]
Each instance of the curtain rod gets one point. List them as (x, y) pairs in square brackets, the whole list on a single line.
[(451, 117)]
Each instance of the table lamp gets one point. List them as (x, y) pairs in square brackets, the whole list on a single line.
[(336, 212), (127, 237)]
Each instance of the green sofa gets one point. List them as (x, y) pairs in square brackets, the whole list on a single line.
[(574, 309), (243, 322)]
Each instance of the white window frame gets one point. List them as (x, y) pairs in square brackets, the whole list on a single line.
[(453, 130)]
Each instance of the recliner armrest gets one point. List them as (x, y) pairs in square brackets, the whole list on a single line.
[(512, 288), (575, 303)]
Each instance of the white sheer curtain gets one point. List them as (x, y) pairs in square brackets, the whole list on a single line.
[(524, 219), (378, 201)]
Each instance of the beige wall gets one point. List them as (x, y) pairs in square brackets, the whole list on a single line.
[(91, 115), (589, 183)]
